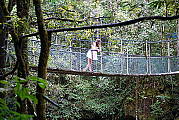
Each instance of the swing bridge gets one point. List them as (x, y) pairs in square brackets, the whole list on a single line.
[(121, 55), (118, 56)]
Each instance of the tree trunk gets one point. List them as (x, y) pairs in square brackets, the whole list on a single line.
[(22, 70), (3, 37), (22, 12), (2, 54), (42, 66), (2, 48)]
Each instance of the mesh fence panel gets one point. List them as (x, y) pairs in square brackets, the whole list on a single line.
[(69, 53)]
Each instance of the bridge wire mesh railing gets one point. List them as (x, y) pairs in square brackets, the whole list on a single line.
[(68, 52)]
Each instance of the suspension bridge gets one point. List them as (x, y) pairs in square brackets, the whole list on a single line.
[(68, 56)]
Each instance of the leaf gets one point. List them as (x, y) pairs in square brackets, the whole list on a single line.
[(163, 97), (156, 4), (33, 78), (42, 85), (22, 80), (4, 82), (17, 103), (33, 98)]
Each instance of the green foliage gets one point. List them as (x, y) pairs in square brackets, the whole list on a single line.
[(157, 109), (41, 82), (20, 25), (7, 114), (23, 92), (4, 82), (157, 4), (168, 6), (88, 96)]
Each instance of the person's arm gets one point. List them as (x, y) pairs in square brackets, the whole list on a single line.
[(93, 45), (100, 49)]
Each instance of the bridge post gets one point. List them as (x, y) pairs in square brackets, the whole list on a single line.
[(168, 45), (80, 68), (127, 60), (147, 60)]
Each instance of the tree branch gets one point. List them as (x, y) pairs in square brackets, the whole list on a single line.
[(50, 101), (125, 23)]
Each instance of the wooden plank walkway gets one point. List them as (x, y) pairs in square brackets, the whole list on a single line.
[(72, 72)]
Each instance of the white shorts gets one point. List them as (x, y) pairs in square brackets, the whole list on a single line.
[(92, 54)]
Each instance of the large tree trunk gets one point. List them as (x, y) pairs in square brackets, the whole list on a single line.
[(22, 12), (2, 48), (3, 37), (42, 66), (2, 53)]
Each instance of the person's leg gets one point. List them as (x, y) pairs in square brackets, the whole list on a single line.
[(87, 66), (90, 61)]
